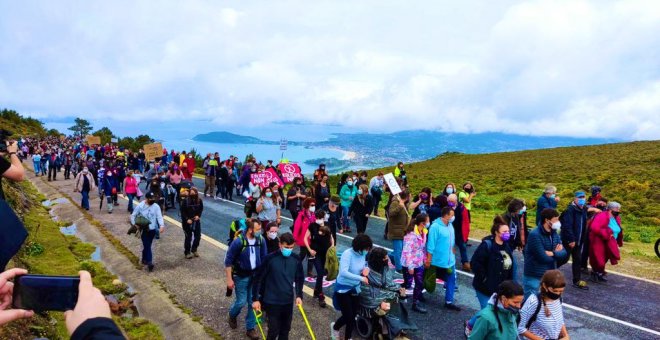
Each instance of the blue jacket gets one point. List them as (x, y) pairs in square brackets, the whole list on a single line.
[(238, 256), (537, 262), (109, 182), (542, 203), (347, 194), (440, 244), (574, 224)]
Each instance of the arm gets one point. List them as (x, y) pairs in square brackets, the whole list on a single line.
[(563, 253), (536, 248), (134, 214), (306, 240), (480, 260), (260, 205), (159, 219), (480, 330), (300, 277), (567, 233), (15, 171), (344, 265)]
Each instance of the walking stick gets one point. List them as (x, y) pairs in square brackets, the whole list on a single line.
[(258, 317), (309, 328)]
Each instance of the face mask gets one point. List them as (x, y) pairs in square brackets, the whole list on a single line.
[(109, 174), (350, 183), (85, 170), (272, 235), (451, 204), (450, 190), (150, 202), (522, 211), (553, 196), (551, 295), (581, 201), (452, 219), (354, 179), (363, 253), (269, 194), (556, 225), (312, 209), (505, 236), (615, 213), (320, 221), (512, 309), (359, 191), (287, 252), (257, 233)]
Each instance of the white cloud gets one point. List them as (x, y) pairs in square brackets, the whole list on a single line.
[(573, 68)]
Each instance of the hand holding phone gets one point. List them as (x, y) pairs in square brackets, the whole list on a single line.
[(45, 293), (91, 304), (6, 297)]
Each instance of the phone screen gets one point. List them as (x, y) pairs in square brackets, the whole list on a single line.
[(45, 293)]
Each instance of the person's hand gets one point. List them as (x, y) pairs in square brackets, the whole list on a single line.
[(556, 198), (312, 252), (189, 221), (559, 247), (411, 271), (427, 263), (196, 218), (162, 230), (12, 146), (366, 215), (571, 245), (256, 306), (6, 295), (91, 304), (365, 280), (402, 292), (549, 253), (278, 220), (230, 283), (385, 306), (365, 272), (298, 301)]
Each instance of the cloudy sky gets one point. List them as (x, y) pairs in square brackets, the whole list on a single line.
[(568, 68)]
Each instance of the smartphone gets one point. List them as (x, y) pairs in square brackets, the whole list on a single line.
[(229, 292), (45, 293)]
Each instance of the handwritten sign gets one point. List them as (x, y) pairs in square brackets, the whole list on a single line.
[(283, 144), (93, 140), (290, 172), (392, 184), (264, 178), (153, 150), (114, 140)]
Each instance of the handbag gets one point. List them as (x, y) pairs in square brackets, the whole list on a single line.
[(114, 191), (429, 279)]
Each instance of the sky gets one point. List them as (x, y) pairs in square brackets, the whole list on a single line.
[(544, 68)]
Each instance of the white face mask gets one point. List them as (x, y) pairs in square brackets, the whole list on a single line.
[(320, 222), (312, 209), (272, 235), (556, 226)]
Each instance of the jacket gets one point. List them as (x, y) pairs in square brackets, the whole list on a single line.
[(333, 220), (275, 280), (238, 257), (461, 223), (397, 221), (300, 227), (537, 262), (190, 209), (602, 244), (109, 182), (488, 265), (360, 210), (151, 212), (574, 225), (517, 227), (97, 329), (414, 248), (544, 202), (381, 288), (80, 181), (440, 244), (347, 194), (487, 325)]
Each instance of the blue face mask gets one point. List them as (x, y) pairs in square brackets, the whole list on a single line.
[(287, 252), (581, 201), (553, 196), (450, 190), (522, 211), (359, 191), (269, 194), (363, 253)]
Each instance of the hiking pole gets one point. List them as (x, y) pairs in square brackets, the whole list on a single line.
[(309, 328), (258, 317)]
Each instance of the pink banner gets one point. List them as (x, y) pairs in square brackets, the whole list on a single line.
[(263, 179), (290, 172)]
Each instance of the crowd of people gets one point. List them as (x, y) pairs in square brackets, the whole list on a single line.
[(264, 263)]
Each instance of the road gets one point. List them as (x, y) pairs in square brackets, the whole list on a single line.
[(623, 308)]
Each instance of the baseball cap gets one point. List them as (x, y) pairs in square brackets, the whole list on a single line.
[(149, 196), (580, 194)]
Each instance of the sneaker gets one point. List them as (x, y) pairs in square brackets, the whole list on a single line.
[(419, 308), (216, 198), (150, 268), (452, 306), (189, 256), (233, 322), (581, 285), (334, 335), (253, 334), (468, 329), (196, 254), (322, 303)]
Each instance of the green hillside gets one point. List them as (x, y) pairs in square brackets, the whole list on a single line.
[(629, 173), (18, 125)]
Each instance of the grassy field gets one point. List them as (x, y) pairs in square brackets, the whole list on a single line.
[(628, 173)]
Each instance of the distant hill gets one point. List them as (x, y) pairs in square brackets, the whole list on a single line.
[(228, 137)]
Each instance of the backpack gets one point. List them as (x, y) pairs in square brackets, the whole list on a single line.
[(235, 229), (331, 264), (532, 319), (236, 269)]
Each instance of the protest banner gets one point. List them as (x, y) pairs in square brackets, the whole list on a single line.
[(263, 179), (114, 140), (289, 172), (392, 184), (153, 150), (93, 140)]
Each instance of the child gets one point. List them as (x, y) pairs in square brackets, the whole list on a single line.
[(412, 258)]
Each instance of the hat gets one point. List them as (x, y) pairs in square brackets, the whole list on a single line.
[(149, 196), (580, 194), (594, 190)]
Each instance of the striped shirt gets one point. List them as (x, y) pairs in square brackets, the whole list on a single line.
[(547, 327)]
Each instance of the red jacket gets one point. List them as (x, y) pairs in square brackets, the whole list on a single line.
[(603, 245), (191, 165), (301, 225)]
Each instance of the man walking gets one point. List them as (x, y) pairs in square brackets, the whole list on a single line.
[(274, 287), (84, 184), (574, 235)]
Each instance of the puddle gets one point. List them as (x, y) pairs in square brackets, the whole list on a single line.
[(49, 203), (53, 216), (96, 255), (70, 230)]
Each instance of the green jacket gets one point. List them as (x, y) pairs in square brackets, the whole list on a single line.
[(332, 264), (347, 194), (487, 328)]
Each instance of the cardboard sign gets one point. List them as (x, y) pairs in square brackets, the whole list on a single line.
[(283, 144), (392, 184), (113, 140), (290, 172), (153, 150), (62, 137), (263, 179), (93, 140)]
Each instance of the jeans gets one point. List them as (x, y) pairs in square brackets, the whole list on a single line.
[(450, 282), (52, 170), (397, 246), (531, 285), (349, 305), (67, 171), (147, 240), (85, 199), (279, 321), (43, 169), (243, 292), (36, 168), (131, 197), (463, 250), (483, 302), (418, 277), (110, 203), (319, 267), (346, 222), (141, 166), (190, 230)]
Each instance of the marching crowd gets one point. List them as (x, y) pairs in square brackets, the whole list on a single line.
[(264, 263)]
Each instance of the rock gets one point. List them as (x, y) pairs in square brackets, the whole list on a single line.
[(116, 282)]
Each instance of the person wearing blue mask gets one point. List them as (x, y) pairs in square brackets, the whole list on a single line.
[(244, 257), (440, 254), (548, 200), (574, 235), (353, 270), (282, 273)]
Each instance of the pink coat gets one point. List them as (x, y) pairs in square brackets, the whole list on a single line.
[(603, 246), (300, 227)]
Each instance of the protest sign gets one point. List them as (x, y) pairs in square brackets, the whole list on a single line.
[(289, 172), (93, 140), (392, 184), (264, 178), (153, 150), (114, 140)]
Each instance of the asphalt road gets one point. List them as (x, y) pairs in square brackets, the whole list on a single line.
[(623, 308)]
